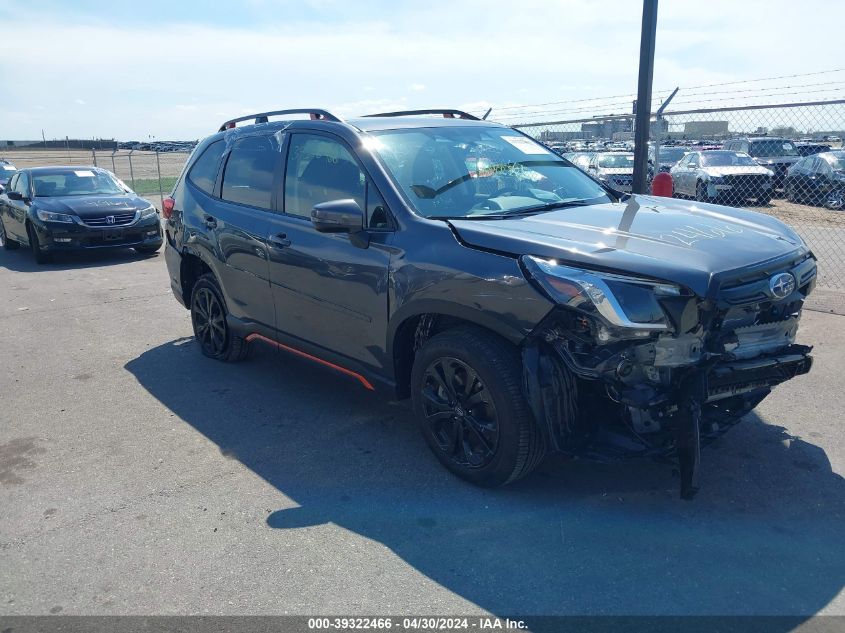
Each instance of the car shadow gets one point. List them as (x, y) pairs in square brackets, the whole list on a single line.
[(764, 535), (22, 260)]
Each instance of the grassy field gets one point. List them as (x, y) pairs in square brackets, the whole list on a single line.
[(147, 186)]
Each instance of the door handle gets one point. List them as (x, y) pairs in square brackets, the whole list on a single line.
[(210, 222), (279, 240)]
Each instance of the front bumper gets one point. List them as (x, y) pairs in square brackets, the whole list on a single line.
[(56, 236)]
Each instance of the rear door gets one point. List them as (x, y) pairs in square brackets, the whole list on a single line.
[(327, 290), (16, 210), (233, 192)]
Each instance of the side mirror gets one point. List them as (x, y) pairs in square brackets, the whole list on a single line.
[(341, 216), (15, 195)]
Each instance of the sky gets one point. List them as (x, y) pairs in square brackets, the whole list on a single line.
[(177, 69)]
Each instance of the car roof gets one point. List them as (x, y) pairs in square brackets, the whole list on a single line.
[(62, 168)]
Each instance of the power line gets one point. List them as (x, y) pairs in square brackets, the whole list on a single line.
[(685, 90), (794, 90)]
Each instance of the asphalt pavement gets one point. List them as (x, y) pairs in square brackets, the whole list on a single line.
[(139, 477)]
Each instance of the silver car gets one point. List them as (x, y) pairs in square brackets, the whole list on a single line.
[(615, 169), (722, 177)]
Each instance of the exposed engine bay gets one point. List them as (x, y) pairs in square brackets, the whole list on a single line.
[(689, 368)]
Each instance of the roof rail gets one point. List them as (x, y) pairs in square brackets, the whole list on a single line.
[(315, 113), (447, 114)]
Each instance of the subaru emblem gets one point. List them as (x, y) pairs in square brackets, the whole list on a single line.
[(109, 219), (782, 285)]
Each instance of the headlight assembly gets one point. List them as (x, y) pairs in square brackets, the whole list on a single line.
[(627, 303), (49, 216), (148, 212)]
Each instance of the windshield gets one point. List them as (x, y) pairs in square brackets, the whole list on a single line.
[(773, 147), (726, 159), (479, 171), (75, 182), (672, 154), (616, 161), (835, 159)]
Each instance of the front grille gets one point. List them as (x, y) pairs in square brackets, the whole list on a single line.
[(747, 182), (110, 219), (754, 290)]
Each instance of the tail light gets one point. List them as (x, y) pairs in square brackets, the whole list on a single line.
[(167, 207)]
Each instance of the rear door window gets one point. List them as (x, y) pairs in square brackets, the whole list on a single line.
[(250, 172), (203, 173)]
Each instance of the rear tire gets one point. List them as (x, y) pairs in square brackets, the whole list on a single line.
[(790, 193), (208, 317), (764, 201), (40, 256), (466, 394), (5, 241)]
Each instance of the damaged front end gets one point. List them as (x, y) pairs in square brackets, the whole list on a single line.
[(631, 367)]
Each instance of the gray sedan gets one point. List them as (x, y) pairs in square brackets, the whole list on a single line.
[(722, 177)]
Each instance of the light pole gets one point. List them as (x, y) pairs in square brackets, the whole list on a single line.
[(643, 115)]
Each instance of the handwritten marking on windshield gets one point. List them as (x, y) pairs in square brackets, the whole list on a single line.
[(689, 235)]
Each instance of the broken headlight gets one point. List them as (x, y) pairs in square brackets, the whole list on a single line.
[(624, 303)]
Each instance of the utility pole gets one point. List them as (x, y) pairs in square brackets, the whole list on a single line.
[(643, 114)]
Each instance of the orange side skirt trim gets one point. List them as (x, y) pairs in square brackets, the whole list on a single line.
[(343, 370)]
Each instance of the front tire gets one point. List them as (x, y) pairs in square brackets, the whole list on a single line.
[(465, 390), (208, 317), (40, 256), (701, 192), (5, 241)]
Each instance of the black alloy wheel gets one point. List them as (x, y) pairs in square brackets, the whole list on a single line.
[(209, 322), (460, 413), (208, 317)]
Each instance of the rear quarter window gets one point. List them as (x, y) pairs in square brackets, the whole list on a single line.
[(203, 173)]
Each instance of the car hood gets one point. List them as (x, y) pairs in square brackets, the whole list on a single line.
[(92, 206), (733, 170), (689, 243), (777, 160), (616, 171)]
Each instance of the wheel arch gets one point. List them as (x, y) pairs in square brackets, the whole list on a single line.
[(410, 328), (191, 268)]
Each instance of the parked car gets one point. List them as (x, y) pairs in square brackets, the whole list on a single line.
[(818, 179), (615, 169), (58, 209), (669, 156), (808, 149), (522, 305), (580, 159), (722, 176), (776, 154), (6, 171)]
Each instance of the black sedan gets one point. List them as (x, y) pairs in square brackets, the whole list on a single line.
[(6, 171), (818, 179), (53, 209)]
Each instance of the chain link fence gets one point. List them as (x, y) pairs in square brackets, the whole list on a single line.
[(150, 174), (785, 160)]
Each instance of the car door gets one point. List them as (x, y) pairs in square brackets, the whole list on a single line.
[(16, 210), (825, 184), (5, 209), (329, 289), (682, 175), (238, 220), (799, 176)]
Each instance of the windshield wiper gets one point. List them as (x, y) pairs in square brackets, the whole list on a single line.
[(512, 213)]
